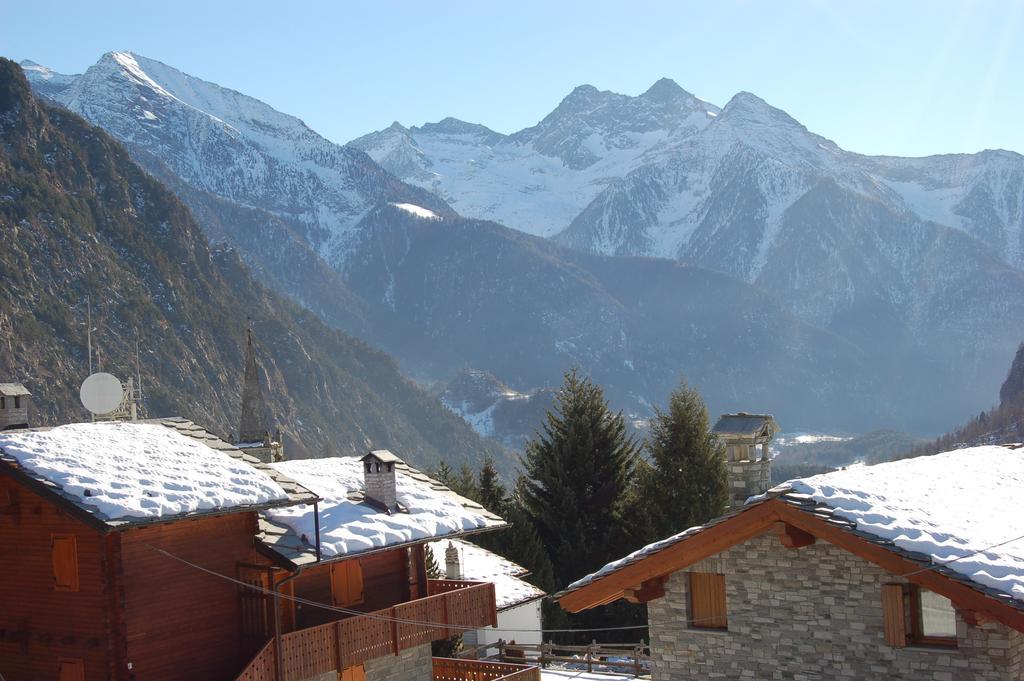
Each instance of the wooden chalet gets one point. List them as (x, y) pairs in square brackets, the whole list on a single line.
[(912, 569), (88, 596), (223, 586)]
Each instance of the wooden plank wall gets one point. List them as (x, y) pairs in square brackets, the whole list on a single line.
[(38, 624), (182, 623), (385, 583)]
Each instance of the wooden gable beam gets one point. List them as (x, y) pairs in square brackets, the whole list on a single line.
[(792, 537), (748, 523), (647, 591)]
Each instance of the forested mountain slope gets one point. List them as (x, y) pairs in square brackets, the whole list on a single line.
[(80, 219)]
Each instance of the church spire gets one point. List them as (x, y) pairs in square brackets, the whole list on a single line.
[(251, 428), (253, 435)]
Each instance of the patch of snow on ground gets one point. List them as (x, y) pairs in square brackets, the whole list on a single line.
[(347, 526), (562, 674), (482, 421), (138, 470), (956, 506), (418, 211)]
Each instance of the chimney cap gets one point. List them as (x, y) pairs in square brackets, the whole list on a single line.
[(13, 390), (382, 455)]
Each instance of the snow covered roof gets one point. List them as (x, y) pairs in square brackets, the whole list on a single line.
[(480, 565), (123, 474), (349, 525), (13, 390), (958, 513), (958, 508)]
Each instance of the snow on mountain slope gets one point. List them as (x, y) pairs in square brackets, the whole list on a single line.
[(232, 146), (539, 179)]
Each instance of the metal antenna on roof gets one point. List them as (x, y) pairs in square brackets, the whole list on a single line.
[(88, 328)]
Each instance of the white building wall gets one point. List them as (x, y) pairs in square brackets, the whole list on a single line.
[(520, 624)]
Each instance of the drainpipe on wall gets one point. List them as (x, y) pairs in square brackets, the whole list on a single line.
[(316, 527), (279, 662)]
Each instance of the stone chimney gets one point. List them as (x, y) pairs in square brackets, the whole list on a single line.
[(379, 478), (452, 568), (14, 399), (746, 438)]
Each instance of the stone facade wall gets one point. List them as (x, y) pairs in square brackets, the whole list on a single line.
[(414, 664), (813, 613), (380, 485), (747, 478), (1016, 658)]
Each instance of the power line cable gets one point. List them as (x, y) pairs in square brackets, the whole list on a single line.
[(399, 620), (384, 618)]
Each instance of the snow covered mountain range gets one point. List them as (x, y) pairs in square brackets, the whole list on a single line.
[(812, 277), (923, 256)]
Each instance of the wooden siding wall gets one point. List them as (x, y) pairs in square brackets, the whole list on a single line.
[(385, 583), (182, 623), (39, 625)]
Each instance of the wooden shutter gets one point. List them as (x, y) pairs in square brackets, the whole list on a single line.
[(71, 670), (355, 582), (894, 616), (347, 583), (707, 601), (65, 562), (353, 674)]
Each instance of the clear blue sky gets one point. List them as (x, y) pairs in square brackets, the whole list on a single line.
[(900, 77)]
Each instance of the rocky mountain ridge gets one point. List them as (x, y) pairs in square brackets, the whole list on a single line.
[(82, 221)]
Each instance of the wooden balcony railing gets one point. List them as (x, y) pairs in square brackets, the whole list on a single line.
[(450, 607), (448, 669)]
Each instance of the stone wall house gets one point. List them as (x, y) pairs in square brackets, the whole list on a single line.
[(908, 570)]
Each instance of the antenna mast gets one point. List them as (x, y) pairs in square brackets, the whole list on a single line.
[(88, 328)]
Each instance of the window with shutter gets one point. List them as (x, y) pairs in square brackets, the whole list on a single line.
[(707, 601), (71, 670), (65, 562), (347, 583), (894, 616)]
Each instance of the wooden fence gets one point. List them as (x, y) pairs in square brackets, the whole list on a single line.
[(449, 669), (633, 658), (352, 641)]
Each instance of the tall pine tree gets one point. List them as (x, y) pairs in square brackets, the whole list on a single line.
[(491, 493), (686, 481), (578, 470)]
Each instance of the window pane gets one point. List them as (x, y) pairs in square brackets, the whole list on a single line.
[(937, 615)]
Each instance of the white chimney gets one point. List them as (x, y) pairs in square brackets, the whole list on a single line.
[(452, 569)]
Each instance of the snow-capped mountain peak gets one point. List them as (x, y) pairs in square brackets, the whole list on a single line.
[(234, 146)]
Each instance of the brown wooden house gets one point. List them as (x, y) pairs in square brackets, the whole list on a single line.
[(374, 517), (100, 586), (86, 594)]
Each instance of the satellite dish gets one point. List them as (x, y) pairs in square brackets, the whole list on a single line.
[(101, 393)]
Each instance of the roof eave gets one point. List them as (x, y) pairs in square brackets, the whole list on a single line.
[(288, 564)]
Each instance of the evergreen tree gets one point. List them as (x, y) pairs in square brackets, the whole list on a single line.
[(578, 470), (492, 494), (443, 473), (686, 482), (464, 483)]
